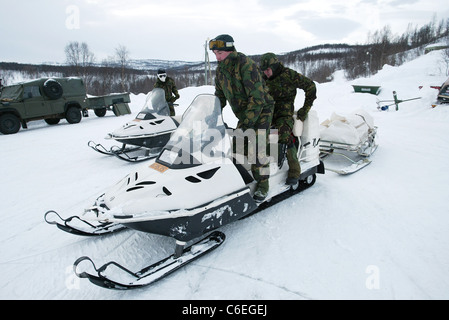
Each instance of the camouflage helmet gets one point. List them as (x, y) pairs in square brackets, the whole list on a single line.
[(268, 60)]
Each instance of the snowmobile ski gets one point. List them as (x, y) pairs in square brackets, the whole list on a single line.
[(145, 154), (114, 276), (112, 151), (76, 225), (130, 154)]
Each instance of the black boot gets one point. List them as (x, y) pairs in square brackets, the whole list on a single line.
[(282, 153)]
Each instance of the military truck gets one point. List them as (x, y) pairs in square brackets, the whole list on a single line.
[(52, 99)]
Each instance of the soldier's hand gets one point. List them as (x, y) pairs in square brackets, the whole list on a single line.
[(301, 115)]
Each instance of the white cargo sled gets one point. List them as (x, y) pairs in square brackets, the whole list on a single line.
[(194, 187), (144, 137), (348, 139)]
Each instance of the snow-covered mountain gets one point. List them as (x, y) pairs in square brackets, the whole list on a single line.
[(154, 64), (381, 233)]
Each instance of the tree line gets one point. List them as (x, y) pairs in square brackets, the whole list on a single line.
[(115, 74), (382, 47)]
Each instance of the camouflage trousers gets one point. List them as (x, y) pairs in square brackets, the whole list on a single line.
[(283, 121), (172, 109), (254, 144)]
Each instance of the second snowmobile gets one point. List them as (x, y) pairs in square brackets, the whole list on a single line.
[(192, 188), (146, 134)]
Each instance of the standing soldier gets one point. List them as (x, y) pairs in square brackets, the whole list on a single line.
[(282, 83), (169, 86), (239, 81)]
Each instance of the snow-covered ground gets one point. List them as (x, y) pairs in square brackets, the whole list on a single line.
[(381, 233)]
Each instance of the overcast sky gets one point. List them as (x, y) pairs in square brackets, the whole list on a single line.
[(37, 31)]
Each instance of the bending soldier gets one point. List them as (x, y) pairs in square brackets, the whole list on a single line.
[(282, 83)]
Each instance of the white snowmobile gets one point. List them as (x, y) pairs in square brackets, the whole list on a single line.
[(192, 188), (147, 133)]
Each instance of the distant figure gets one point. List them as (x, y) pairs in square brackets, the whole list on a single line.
[(169, 86)]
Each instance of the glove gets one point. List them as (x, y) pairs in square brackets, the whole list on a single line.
[(301, 115)]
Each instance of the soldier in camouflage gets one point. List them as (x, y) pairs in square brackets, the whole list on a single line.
[(239, 81), (169, 86), (282, 83)]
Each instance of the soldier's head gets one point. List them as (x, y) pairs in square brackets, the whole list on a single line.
[(162, 75), (269, 64), (222, 46)]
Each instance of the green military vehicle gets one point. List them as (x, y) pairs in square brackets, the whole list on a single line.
[(53, 99), (115, 102)]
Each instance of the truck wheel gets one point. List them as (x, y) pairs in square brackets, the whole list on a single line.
[(100, 112), (52, 121), (73, 115), (9, 124), (53, 89)]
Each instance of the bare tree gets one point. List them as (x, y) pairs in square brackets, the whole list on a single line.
[(122, 55), (445, 55), (107, 75), (81, 59)]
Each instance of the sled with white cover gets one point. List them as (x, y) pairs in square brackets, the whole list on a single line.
[(349, 138)]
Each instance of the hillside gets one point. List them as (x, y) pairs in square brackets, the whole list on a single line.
[(318, 62)]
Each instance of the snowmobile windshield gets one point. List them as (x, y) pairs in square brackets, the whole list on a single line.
[(444, 91), (200, 138), (155, 104)]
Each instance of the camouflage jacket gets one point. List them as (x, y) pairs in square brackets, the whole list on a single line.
[(170, 89), (239, 81), (282, 87)]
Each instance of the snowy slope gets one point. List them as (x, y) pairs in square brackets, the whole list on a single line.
[(382, 233)]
